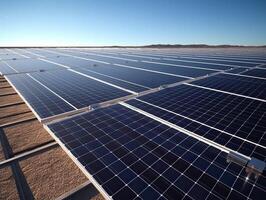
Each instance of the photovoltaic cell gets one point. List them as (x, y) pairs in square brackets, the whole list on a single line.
[(118, 82), (237, 70), (78, 90), (29, 65), (256, 72), (193, 63), (225, 62), (10, 56), (226, 139), (131, 156), (247, 86), (43, 101), (144, 78), (5, 69), (236, 115), (72, 62), (183, 71)]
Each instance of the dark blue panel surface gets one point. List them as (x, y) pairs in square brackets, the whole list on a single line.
[(236, 115), (140, 77), (43, 101), (237, 70), (212, 134), (5, 69), (134, 157), (228, 63), (247, 86), (256, 72), (119, 82), (29, 65), (78, 90)]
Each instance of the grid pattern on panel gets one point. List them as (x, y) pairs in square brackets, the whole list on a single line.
[(239, 116), (121, 83), (134, 157), (208, 132), (225, 62), (237, 70), (256, 72), (145, 78), (5, 69), (248, 86), (204, 64), (44, 53), (10, 56), (44, 102), (27, 65), (183, 71), (72, 62), (78, 90)]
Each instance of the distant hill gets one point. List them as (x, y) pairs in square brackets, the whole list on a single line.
[(198, 46), (150, 46)]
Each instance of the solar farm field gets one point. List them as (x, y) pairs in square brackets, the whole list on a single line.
[(151, 123)]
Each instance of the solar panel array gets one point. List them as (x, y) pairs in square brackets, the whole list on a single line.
[(152, 123)]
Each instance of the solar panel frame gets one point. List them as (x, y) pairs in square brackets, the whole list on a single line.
[(212, 108), (248, 86), (111, 179), (25, 86), (78, 90), (256, 73)]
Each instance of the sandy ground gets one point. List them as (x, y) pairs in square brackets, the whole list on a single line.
[(51, 174), (26, 135), (10, 99), (6, 90), (7, 185), (1, 153), (7, 111), (15, 118), (4, 84)]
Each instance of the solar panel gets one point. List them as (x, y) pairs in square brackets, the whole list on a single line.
[(43, 101), (248, 86), (195, 63), (178, 70), (122, 83), (72, 62), (221, 137), (236, 115), (256, 73), (30, 65), (128, 155), (143, 78), (237, 70), (224, 62), (43, 52), (10, 56), (175, 70), (5, 69), (78, 90), (202, 139)]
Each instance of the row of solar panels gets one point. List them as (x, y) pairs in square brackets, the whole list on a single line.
[(154, 146)]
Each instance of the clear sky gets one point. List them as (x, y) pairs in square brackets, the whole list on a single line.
[(132, 22)]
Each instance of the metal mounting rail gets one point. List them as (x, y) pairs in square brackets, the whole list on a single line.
[(8, 94), (84, 191), (12, 104), (17, 122), (28, 154), (254, 167)]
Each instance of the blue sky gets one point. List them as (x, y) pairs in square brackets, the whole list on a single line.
[(132, 22)]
